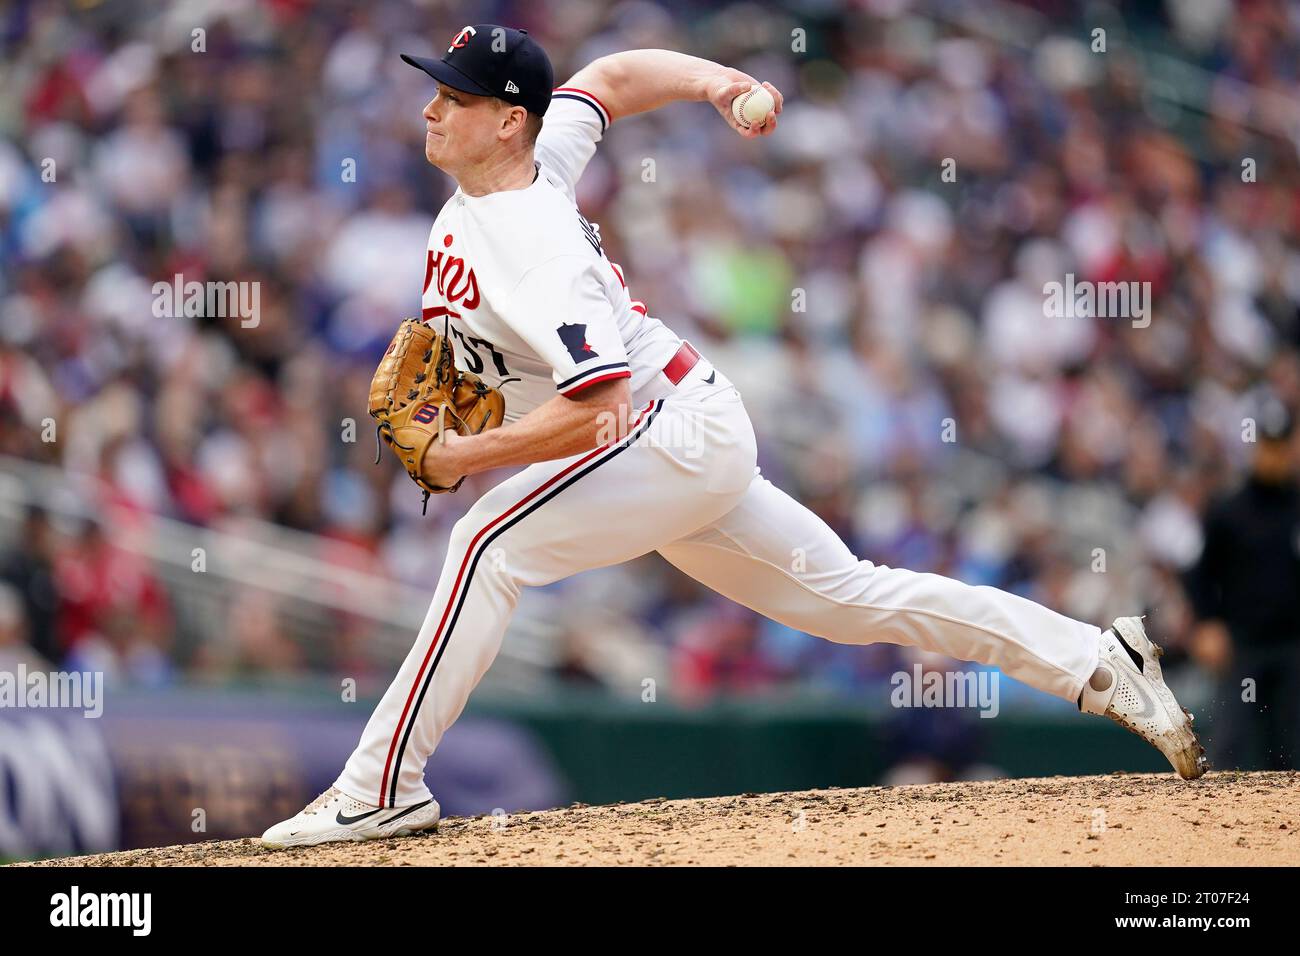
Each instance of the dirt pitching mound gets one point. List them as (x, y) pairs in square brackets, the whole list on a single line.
[(1224, 818)]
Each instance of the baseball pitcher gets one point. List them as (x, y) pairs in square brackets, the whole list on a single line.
[(531, 350)]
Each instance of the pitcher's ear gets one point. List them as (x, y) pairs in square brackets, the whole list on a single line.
[(513, 121)]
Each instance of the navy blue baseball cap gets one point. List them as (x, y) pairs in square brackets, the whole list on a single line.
[(491, 60)]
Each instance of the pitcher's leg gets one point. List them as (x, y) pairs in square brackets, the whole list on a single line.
[(773, 555), (458, 641), (549, 521)]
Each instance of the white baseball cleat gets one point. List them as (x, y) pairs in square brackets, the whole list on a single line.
[(1133, 693), (334, 817)]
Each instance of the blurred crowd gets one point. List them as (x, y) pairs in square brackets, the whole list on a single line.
[(878, 266)]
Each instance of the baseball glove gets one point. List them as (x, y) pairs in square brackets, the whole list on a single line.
[(418, 392)]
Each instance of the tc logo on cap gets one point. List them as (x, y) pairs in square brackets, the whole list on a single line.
[(489, 60), (462, 38)]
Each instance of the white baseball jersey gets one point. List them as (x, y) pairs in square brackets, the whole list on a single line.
[(521, 283)]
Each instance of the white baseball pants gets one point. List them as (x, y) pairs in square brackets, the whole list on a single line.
[(684, 483)]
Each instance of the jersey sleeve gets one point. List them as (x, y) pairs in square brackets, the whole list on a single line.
[(560, 308), (575, 122)]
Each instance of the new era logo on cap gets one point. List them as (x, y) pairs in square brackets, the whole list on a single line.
[(490, 60)]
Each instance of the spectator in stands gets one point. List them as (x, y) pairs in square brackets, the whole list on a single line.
[(29, 571), (14, 646), (1246, 591)]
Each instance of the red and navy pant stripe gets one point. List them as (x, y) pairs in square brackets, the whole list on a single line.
[(456, 600)]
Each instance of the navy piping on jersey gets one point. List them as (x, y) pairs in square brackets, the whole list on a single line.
[(568, 93), (591, 371), (588, 382)]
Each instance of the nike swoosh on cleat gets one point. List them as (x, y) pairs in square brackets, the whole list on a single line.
[(406, 811), (1148, 705), (348, 820), (709, 380), (1147, 709)]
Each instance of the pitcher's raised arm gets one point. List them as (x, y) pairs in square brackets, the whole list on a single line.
[(636, 81)]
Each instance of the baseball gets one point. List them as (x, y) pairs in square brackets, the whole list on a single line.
[(753, 108)]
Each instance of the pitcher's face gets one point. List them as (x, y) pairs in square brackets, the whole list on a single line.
[(460, 129)]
